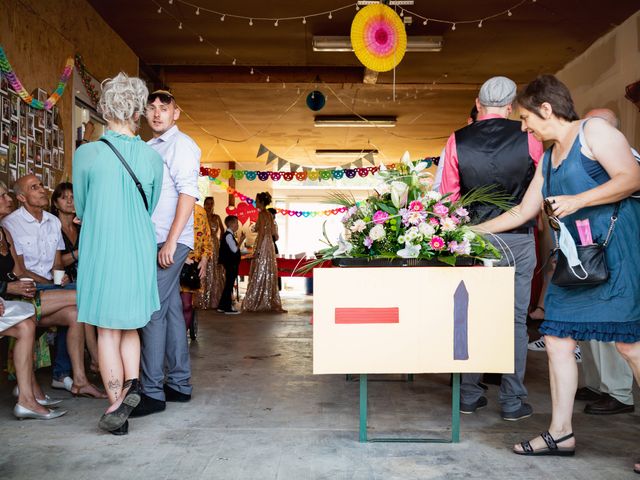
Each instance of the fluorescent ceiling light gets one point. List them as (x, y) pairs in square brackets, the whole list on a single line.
[(343, 44), (345, 153), (354, 121), (392, 3)]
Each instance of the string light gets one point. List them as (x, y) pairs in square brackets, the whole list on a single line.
[(357, 7), (425, 21), (268, 79), (304, 20), (234, 62), (200, 38), (159, 9), (180, 26), (217, 51), (275, 24), (330, 16), (480, 24), (222, 18), (453, 27), (170, 2), (251, 72), (198, 11), (402, 13), (251, 22), (509, 13)]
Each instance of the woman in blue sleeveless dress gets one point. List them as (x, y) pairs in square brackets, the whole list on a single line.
[(117, 285), (586, 181)]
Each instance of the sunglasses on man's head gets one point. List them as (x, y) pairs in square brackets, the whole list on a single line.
[(553, 219), (165, 98)]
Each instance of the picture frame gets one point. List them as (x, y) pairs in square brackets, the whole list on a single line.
[(47, 139), (13, 155), (42, 95), (38, 136), (31, 125), (37, 157), (40, 119), (6, 109), (13, 176), (13, 130), (15, 106), (54, 137), (4, 84), (52, 180), (31, 167), (22, 171), (4, 160), (31, 148), (48, 118), (46, 177), (55, 159), (61, 140), (4, 135), (46, 157), (22, 159), (22, 128)]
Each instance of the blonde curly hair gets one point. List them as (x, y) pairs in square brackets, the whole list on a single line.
[(123, 99)]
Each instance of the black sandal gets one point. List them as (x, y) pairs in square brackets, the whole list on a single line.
[(552, 447)]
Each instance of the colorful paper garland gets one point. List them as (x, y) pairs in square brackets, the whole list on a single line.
[(7, 70), (86, 80), (378, 37)]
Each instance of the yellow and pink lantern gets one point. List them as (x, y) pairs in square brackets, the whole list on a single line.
[(378, 37)]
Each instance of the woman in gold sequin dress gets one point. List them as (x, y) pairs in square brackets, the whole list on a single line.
[(262, 291), (209, 297)]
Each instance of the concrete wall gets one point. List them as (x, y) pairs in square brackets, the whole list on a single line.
[(598, 77), (39, 35)]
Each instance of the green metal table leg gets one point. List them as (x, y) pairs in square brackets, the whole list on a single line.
[(455, 409), (363, 408)]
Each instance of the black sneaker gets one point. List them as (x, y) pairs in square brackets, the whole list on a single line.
[(147, 406), (525, 411), (468, 408), (172, 395)]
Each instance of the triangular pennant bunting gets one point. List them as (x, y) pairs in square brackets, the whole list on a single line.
[(262, 150), (369, 157), (271, 157), (281, 163)]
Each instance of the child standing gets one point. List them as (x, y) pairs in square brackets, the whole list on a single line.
[(230, 259)]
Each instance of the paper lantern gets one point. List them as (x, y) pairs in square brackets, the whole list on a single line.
[(378, 37)]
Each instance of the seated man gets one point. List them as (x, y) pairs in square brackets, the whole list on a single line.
[(36, 241)]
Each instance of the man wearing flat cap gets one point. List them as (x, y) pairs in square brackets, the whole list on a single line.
[(494, 151)]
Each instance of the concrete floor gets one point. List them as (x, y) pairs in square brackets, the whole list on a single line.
[(259, 413)]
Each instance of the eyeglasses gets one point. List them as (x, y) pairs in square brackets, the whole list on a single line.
[(553, 219)]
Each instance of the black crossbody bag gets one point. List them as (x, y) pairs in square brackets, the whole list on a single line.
[(128, 169), (594, 269)]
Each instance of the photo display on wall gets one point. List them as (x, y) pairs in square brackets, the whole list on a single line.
[(31, 140)]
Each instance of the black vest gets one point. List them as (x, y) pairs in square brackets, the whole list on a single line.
[(227, 257), (493, 152)]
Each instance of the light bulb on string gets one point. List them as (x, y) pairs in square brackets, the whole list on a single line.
[(268, 79), (402, 13), (170, 2), (251, 72), (275, 24), (426, 20), (509, 13), (251, 22), (284, 85), (330, 16), (480, 24), (234, 62), (180, 26), (304, 20), (222, 18), (453, 27), (298, 91), (159, 9), (357, 7), (217, 51), (200, 38), (198, 11)]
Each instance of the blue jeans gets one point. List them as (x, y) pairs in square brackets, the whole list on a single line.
[(62, 362)]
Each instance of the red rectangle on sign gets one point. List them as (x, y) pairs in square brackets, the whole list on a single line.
[(367, 315)]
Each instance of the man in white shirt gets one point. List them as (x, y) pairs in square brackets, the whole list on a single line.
[(164, 339)]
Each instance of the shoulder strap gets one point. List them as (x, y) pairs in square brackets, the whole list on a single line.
[(128, 168)]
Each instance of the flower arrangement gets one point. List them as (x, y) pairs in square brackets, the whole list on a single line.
[(406, 218)]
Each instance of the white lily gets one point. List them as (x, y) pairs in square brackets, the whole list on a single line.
[(406, 159), (399, 192), (409, 251), (344, 247)]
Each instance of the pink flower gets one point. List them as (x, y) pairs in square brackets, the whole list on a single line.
[(440, 210), (368, 242), (434, 221), (416, 206), (455, 219), (453, 246), (380, 217), (437, 243), (462, 212)]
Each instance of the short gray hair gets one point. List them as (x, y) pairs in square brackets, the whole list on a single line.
[(122, 98)]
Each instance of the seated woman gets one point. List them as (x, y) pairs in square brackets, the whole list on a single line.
[(53, 307), (17, 320)]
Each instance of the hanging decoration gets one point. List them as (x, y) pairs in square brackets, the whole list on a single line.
[(316, 101), (283, 211), (271, 156), (378, 37), (7, 70), (244, 211), (86, 80)]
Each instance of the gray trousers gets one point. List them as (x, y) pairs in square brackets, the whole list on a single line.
[(522, 251), (606, 371), (164, 338)]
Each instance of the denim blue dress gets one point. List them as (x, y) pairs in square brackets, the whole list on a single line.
[(609, 311)]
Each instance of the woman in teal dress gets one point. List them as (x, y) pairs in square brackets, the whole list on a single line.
[(117, 286), (589, 173)]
